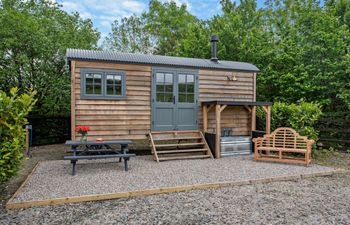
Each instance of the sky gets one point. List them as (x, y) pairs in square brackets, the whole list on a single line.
[(104, 12)]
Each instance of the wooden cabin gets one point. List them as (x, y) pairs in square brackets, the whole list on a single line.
[(128, 96)]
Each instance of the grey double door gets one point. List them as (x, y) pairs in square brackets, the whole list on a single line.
[(174, 100)]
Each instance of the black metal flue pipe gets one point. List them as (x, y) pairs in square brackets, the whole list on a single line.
[(214, 39)]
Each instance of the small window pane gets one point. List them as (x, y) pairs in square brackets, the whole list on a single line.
[(97, 79), (190, 98), (89, 78), (190, 79), (169, 88), (118, 80), (118, 90), (109, 89), (169, 78), (110, 79), (97, 89), (160, 77), (160, 97), (182, 87), (182, 97), (190, 88), (160, 88), (182, 78), (168, 97), (89, 89)]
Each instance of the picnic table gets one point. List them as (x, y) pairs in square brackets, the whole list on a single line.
[(98, 150)]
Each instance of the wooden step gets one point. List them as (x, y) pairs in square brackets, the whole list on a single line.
[(185, 157), (183, 144), (182, 151), (188, 145), (177, 138), (173, 132)]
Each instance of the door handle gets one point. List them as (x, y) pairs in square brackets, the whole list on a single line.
[(174, 99)]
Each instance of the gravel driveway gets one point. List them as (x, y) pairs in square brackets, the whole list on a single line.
[(53, 179), (323, 200)]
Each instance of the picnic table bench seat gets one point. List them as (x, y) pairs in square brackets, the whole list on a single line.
[(98, 150), (283, 140)]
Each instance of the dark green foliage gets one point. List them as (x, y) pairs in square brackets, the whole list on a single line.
[(162, 30), (302, 117), (34, 36), (334, 129), (130, 35), (169, 24), (50, 130), (13, 110)]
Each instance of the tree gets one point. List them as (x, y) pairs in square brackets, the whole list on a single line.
[(196, 42), (34, 37), (301, 47), (161, 30), (130, 35), (170, 25)]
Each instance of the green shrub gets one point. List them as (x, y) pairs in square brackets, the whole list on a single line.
[(302, 117), (13, 109)]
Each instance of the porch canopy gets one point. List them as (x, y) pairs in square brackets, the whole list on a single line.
[(221, 105)]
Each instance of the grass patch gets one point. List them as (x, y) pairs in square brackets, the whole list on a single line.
[(333, 158)]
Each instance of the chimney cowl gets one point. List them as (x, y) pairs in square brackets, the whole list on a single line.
[(214, 39)]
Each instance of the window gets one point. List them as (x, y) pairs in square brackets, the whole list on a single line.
[(114, 85), (186, 88), (102, 84), (93, 83), (165, 87)]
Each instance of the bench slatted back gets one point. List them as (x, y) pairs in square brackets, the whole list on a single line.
[(285, 137)]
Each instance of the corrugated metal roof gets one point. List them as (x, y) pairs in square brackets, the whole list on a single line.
[(112, 56)]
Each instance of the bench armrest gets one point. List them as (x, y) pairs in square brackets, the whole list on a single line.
[(311, 142), (258, 141)]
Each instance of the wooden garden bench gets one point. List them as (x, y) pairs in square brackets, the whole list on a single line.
[(283, 140)]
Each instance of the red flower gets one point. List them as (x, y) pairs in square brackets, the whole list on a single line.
[(82, 129)]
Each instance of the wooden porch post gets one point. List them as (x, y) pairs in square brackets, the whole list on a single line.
[(253, 114), (268, 119), (72, 99), (218, 131), (205, 118)]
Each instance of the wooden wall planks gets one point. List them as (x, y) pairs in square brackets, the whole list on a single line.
[(131, 118), (215, 85), (117, 119)]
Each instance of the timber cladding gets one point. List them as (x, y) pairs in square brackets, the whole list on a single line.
[(218, 85), (117, 119), (130, 118)]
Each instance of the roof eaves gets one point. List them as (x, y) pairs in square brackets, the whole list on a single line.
[(107, 56)]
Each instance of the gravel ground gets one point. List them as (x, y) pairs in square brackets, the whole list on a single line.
[(52, 179), (323, 200)]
